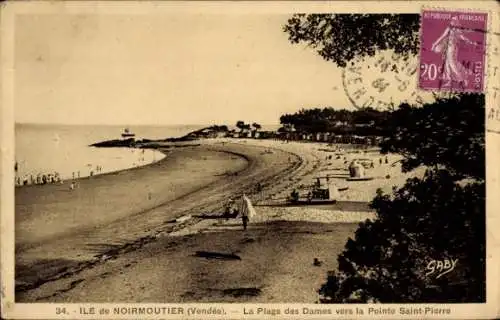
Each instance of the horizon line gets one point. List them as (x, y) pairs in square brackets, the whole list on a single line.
[(136, 124)]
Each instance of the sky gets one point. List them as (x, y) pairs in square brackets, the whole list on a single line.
[(165, 70)]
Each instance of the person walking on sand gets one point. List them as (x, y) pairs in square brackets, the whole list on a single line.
[(228, 208), (244, 218), (247, 211)]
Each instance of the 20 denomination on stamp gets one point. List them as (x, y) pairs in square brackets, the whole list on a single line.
[(452, 51)]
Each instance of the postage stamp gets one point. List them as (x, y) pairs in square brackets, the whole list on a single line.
[(452, 51)]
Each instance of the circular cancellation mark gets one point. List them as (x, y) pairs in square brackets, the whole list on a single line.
[(382, 82)]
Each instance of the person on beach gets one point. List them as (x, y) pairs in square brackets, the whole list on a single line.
[(244, 218), (246, 211), (72, 185), (259, 187), (228, 209)]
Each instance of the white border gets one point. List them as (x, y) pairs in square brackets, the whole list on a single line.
[(47, 310)]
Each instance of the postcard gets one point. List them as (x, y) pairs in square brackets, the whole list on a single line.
[(250, 160)]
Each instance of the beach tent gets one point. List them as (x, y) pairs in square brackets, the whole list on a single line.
[(246, 207), (356, 170)]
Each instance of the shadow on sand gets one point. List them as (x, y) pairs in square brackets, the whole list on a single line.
[(360, 206), (216, 255), (29, 276)]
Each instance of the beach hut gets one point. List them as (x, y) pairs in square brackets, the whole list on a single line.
[(326, 136), (356, 170)]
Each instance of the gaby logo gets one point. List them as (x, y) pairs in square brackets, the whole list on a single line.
[(440, 267)]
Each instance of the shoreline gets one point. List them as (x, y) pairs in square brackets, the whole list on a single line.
[(38, 196), (27, 260), (280, 170), (129, 166)]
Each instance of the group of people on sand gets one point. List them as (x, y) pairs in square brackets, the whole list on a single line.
[(42, 179), (49, 178)]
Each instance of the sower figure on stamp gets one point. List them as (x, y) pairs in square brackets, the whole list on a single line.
[(448, 45)]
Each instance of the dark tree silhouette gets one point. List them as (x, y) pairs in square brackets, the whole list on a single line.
[(338, 121), (343, 37), (448, 132), (256, 126), (439, 216), (430, 218), (240, 124)]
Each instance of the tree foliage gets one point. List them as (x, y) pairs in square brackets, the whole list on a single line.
[(242, 125), (439, 216), (343, 37), (448, 132), (338, 121), (256, 126), (430, 218)]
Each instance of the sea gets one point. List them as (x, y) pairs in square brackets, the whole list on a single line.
[(42, 149)]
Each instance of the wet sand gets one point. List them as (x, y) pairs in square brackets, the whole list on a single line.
[(102, 199), (144, 256)]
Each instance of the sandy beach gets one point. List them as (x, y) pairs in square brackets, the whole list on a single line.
[(88, 245)]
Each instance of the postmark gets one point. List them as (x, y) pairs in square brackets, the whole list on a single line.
[(382, 82), (452, 51)]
